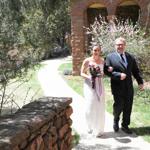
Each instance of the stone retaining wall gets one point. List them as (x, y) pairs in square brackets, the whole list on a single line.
[(41, 125)]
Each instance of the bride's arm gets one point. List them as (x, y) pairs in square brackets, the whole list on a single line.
[(84, 69)]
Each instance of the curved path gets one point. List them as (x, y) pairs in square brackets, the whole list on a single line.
[(53, 85)]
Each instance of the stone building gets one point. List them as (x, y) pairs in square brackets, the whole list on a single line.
[(83, 13)]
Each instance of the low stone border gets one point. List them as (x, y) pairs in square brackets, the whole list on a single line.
[(44, 124)]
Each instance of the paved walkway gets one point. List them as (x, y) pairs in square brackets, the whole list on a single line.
[(53, 85)]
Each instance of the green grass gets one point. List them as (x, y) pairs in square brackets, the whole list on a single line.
[(140, 118), (76, 82), (65, 66), (76, 138), (141, 113), (33, 83)]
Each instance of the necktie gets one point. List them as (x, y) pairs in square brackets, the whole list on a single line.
[(122, 58)]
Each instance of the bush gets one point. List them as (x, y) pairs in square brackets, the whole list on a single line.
[(137, 38), (27, 30), (56, 52)]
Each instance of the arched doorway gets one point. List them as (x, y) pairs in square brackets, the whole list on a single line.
[(128, 9), (95, 11)]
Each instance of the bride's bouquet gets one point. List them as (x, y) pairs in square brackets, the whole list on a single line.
[(95, 71)]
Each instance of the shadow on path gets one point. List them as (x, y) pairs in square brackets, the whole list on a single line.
[(90, 143), (142, 130), (92, 147), (103, 147), (120, 136)]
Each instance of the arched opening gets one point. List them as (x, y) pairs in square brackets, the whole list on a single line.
[(95, 11), (128, 9)]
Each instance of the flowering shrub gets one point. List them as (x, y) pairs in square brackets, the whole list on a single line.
[(105, 33)]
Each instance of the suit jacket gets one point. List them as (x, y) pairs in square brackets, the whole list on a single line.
[(118, 86)]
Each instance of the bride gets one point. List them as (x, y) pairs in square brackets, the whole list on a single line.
[(92, 72)]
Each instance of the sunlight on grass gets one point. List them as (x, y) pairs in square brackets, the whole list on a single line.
[(33, 83), (75, 82)]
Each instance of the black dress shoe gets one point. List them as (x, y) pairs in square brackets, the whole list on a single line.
[(116, 127), (126, 130)]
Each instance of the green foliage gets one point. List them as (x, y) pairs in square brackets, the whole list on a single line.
[(28, 29), (32, 32), (20, 91), (144, 62), (64, 66), (58, 23), (105, 34), (39, 24), (76, 138), (8, 28), (75, 83)]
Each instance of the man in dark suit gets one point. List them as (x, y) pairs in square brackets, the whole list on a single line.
[(120, 66)]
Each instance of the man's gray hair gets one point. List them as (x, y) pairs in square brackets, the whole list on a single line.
[(120, 39)]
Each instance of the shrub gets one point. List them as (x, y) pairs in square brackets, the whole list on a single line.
[(105, 33)]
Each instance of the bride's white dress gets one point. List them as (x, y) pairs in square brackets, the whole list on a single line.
[(95, 104)]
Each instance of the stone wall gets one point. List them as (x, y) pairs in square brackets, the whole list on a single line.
[(41, 125)]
